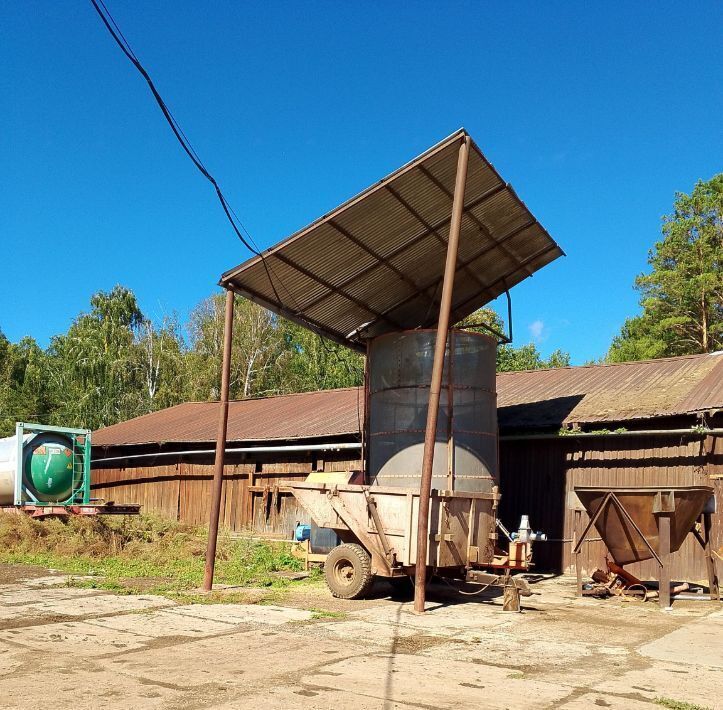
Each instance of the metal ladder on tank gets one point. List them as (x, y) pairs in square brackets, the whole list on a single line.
[(79, 469)]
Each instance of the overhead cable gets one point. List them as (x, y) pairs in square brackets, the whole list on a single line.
[(247, 240)]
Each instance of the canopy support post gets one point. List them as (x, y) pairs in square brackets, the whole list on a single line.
[(220, 445), (440, 348)]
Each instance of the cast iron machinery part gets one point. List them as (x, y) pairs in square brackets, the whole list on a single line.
[(348, 571)]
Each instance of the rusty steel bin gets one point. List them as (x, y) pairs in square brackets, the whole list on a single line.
[(683, 504), (400, 367)]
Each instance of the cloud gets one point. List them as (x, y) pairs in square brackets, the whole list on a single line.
[(537, 330)]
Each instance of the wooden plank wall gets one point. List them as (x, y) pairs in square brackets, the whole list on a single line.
[(157, 488), (532, 482), (182, 490), (537, 475)]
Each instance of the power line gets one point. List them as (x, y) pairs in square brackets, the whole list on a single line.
[(248, 241), (238, 226)]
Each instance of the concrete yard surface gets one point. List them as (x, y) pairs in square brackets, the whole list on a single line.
[(83, 648)]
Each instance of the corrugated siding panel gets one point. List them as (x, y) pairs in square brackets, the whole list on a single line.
[(708, 394), (541, 399), (295, 416)]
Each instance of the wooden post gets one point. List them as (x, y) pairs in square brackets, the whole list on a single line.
[(510, 595), (220, 446), (248, 502)]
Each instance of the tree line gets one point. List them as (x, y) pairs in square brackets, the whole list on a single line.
[(114, 363)]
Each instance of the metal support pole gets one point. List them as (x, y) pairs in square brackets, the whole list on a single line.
[(220, 446), (440, 348), (664, 549)]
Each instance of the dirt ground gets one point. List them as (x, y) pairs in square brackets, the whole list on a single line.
[(84, 648)]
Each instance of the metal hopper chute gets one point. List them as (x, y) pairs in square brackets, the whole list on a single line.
[(628, 522), (649, 522)]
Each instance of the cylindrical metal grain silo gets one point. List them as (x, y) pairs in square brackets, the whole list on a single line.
[(400, 369)]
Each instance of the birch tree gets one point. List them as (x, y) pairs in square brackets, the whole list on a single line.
[(258, 350)]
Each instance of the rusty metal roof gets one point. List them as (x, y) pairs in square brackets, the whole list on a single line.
[(375, 264), (535, 399), (539, 399), (287, 417)]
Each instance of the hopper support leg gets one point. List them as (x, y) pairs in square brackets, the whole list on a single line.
[(713, 584), (664, 565), (577, 551)]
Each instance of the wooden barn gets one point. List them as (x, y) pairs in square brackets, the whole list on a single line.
[(639, 423)]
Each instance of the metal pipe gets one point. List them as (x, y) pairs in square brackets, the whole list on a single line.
[(600, 434), (342, 446), (241, 450), (440, 348), (220, 445), (509, 314), (365, 426)]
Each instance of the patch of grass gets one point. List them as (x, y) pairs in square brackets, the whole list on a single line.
[(316, 574), (142, 554), (241, 597), (99, 583), (327, 614), (677, 704)]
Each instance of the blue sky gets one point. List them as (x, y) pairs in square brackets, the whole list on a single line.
[(596, 113)]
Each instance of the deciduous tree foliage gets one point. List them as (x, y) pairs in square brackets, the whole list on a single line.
[(93, 368), (114, 363), (682, 296), (316, 364), (258, 352), (24, 385)]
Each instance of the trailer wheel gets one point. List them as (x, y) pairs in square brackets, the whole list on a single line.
[(348, 571)]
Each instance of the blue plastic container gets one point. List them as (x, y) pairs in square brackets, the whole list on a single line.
[(302, 532)]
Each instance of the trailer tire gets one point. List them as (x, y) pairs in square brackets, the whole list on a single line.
[(348, 571)]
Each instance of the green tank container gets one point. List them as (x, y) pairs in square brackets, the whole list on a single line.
[(48, 467), (45, 465)]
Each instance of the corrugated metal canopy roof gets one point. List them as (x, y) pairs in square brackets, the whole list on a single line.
[(376, 262)]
